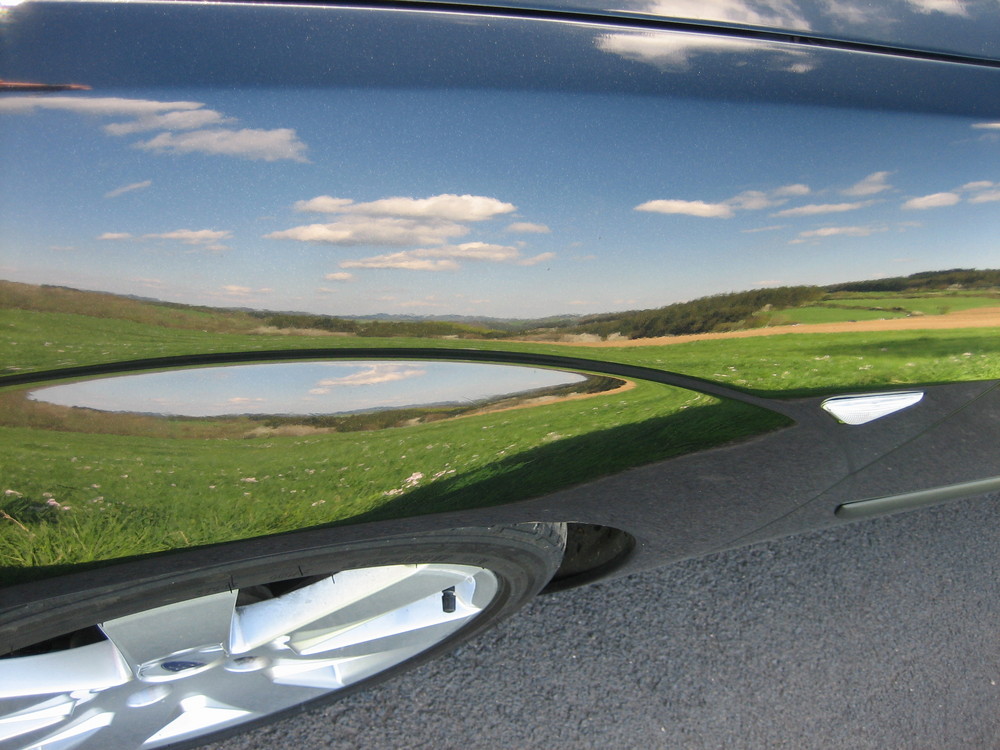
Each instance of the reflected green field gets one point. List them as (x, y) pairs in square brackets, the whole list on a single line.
[(832, 314), (924, 304), (838, 308), (783, 363), (74, 497)]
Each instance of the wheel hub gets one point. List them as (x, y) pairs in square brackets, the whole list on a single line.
[(182, 664)]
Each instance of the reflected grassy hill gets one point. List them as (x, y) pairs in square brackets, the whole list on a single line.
[(34, 339), (928, 293), (71, 497)]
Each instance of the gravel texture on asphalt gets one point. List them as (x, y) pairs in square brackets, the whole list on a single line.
[(882, 634)]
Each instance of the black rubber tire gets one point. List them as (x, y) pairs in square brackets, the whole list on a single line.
[(522, 557)]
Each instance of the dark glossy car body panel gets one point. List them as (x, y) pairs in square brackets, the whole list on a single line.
[(609, 137)]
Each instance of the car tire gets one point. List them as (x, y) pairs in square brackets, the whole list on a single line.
[(216, 651)]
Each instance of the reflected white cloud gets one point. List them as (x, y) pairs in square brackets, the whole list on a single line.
[(247, 143), (535, 260), (177, 120), (784, 13), (672, 52), (982, 191), (987, 196), (787, 14), (128, 188), (935, 200), (447, 258), (447, 206), (433, 222), (987, 126), (527, 227), (815, 209), (235, 290), (748, 200), (813, 234), (395, 221), (339, 276), (377, 373), (689, 208), (772, 228), (947, 7), (192, 236), (323, 204), (850, 231), (791, 190), (871, 185), (402, 260), (753, 200), (383, 231), (92, 105), (472, 251), (204, 239), (856, 14)]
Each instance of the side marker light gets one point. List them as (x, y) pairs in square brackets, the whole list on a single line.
[(856, 410)]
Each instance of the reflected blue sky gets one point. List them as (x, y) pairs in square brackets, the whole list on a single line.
[(302, 388), (510, 203)]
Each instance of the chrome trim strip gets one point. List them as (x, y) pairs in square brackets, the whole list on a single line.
[(910, 500)]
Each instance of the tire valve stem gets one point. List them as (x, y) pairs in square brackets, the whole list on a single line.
[(448, 600)]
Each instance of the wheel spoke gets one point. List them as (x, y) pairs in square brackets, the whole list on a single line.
[(96, 666), (74, 734), (156, 633), (350, 597), (262, 622), (336, 672), (134, 725), (334, 599), (254, 693), (407, 624), (198, 714), (314, 673), (36, 717), (369, 595)]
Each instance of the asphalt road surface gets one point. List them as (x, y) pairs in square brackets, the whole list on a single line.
[(879, 635)]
